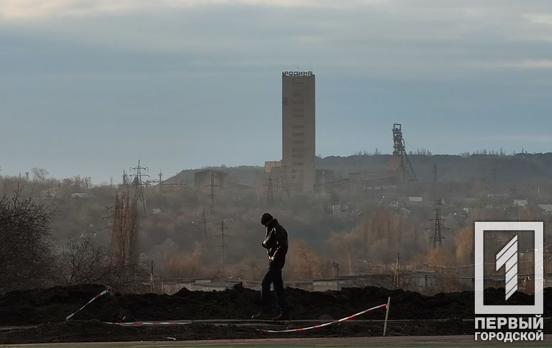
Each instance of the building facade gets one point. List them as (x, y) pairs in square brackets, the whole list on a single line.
[(298, 129)]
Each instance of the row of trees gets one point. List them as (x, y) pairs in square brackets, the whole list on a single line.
[(30, 259), (62, 235)]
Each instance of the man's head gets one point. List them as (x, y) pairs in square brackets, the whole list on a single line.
[(266, 219)]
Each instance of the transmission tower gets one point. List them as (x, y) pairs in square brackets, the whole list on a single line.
[(437, 226), (140, 173), (138, 182), (400, 155), (211, 185)]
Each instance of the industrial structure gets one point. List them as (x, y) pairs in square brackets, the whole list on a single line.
[(296, 171), (437, 226), (298, 129), (401, 162)]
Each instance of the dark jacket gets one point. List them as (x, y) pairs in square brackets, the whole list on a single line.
[(276, 243)]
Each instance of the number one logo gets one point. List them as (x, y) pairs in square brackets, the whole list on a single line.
[(508, 258)]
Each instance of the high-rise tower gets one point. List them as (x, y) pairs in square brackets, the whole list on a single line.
[(298, 129)]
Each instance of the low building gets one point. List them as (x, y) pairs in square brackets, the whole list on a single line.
[(415, 199), (522, 203)]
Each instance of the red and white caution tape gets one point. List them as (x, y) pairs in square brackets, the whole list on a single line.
[(87, 303), (152, 323), (328, 323)]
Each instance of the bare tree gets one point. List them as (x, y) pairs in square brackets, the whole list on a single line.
[(39, 174), (25, 258), (83, 262)]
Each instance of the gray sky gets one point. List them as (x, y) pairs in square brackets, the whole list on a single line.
[(90, 86)]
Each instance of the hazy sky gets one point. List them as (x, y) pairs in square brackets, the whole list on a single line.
[(90, 86)]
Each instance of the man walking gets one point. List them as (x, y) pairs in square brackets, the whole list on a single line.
[(276, 244)]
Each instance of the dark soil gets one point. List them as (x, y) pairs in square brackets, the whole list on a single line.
[(49, 307), (54, 304)]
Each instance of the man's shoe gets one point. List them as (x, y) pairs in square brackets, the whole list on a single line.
[(281, 316)]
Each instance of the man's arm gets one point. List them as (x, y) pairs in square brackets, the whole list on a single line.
[(282, 245), (269, 240)]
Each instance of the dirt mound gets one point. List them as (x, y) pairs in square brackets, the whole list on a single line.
[(43, 305), (95, 331), (54, 304)]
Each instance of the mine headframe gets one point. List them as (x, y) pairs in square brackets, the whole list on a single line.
[(400, 155)]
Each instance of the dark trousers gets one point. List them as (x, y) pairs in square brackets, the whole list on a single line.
[(273, 276)]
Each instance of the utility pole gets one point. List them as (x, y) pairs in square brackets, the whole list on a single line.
[(204, 223), (160, 180), (396, 273), (270, 191), (212, 195), (222, 245), (151, 277), (397, 270)]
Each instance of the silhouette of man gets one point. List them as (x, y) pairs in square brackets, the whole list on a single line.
[(276, 244)]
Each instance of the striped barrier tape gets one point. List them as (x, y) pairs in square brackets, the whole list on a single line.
[(87, 303), (326, 324), (151, 323)]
